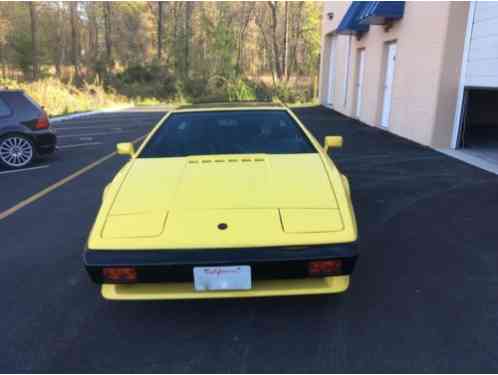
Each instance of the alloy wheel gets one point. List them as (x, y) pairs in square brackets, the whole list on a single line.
[(16, 151)]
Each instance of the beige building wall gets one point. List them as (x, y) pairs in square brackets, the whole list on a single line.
[(430, 39)]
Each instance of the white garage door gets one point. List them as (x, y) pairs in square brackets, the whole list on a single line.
[(482, 58)]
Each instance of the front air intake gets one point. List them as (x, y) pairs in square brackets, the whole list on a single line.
[(220, 160)]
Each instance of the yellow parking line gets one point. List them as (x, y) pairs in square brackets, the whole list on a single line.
[(58, 184)]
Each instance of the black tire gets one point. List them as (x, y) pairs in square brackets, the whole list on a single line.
[(16, 151)]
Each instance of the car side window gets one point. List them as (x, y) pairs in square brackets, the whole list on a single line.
[(4, 109)]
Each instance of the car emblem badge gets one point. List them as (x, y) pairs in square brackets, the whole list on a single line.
[(222, 226)]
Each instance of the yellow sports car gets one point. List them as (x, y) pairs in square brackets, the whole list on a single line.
[(221, 201)]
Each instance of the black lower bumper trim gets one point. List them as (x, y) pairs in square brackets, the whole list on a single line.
[(45, 142), (176, 265)]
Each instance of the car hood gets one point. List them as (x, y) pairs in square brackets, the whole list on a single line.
[(225, 182), (223, 201)]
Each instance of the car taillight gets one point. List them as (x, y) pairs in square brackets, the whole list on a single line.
[(42, 122), (119, 274), (325, 267)]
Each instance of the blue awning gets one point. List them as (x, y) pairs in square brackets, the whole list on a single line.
[(350, 23), (381, 12)]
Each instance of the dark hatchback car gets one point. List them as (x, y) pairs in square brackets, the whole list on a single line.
[(25, 131)]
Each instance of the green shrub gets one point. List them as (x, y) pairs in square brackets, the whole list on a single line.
[(239, 90), (146, 81), (194, 88), (261, 91), (293, 94), (155, 81), (218, 89)]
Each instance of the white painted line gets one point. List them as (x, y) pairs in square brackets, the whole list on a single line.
[(86, 138), (85, 114), (101, 127), (117, 117), (89, 134), (79, 145), (25, 169)]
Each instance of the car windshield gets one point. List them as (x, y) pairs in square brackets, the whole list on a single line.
[(228, 132)]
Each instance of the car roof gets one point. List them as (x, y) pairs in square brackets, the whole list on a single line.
[(224, 106)]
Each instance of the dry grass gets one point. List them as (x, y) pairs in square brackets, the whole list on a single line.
[(59, 98)]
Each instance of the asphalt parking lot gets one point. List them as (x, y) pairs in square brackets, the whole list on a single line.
[(424, 296)]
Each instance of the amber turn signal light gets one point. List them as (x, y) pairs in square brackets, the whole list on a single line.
[(119, 274), (325, 267)]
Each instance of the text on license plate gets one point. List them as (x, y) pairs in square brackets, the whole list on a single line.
[(222, 278)]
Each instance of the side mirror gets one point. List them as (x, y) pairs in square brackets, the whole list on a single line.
[(332, 141), (125, 149)]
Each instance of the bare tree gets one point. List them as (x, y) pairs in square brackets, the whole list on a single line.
[(276, 51), (261, 22), (296, 35), (159, 30), (188, 36), (75, 43), (286, 40), (174, 38), (4, 29), (246, 15), (34, 39), (107, 32), (93, 35), (58, 53)]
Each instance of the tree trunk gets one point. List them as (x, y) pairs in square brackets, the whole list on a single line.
[(294, 35), (266, 48), (175, 36), (245, 19), (160, 30), (108, 31), (96, 35), (93, 37), (2, 60), (239, 54), (60, 39), (286, 40), (75, 50), (276, 53), (188, 36), (34, 40)]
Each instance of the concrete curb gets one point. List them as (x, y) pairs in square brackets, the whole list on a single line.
[(470, 159), (85, 114)]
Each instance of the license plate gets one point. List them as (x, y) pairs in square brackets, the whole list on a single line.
[(222, 278)]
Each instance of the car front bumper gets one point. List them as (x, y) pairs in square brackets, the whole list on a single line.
[(261, 288), (168, 274)]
